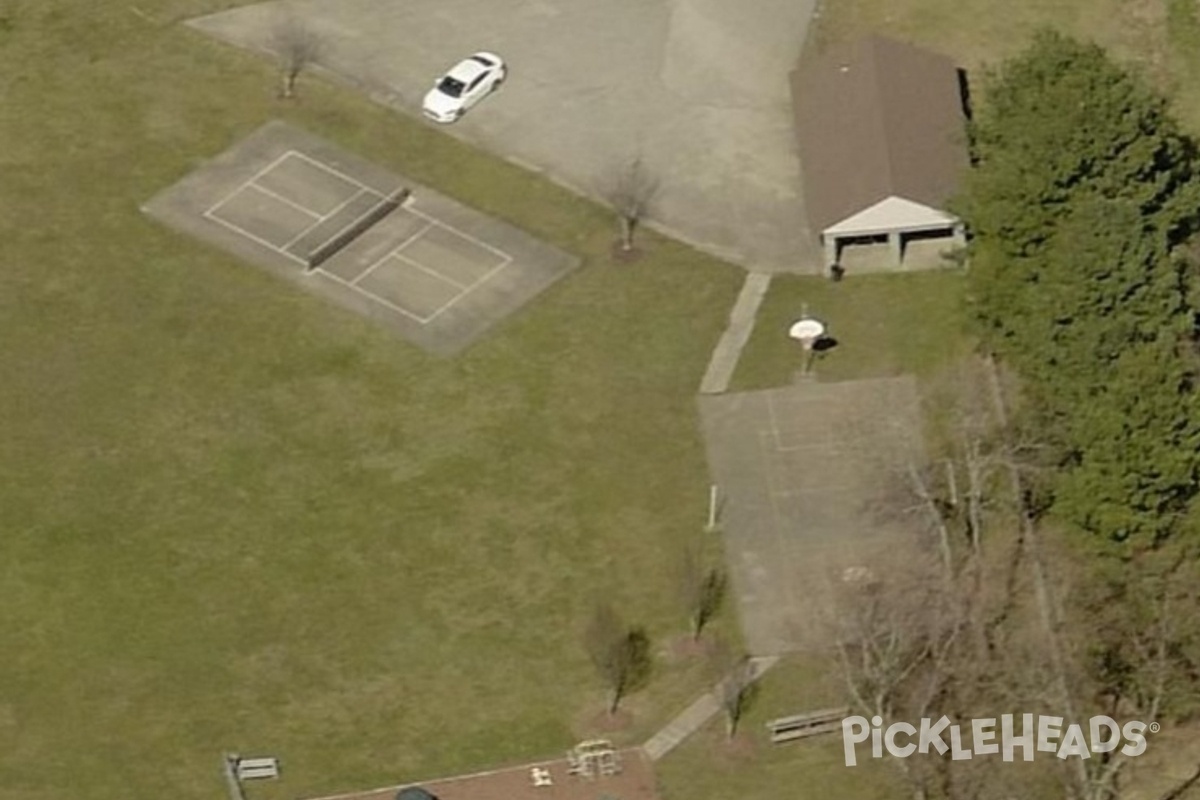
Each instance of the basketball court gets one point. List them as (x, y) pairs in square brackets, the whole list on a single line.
[(799, 469), (432, 269)]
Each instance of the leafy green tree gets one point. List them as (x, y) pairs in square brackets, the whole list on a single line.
[(1060, 122), (1083, 194)]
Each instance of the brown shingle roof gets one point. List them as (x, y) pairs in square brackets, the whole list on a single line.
[(873, 119)]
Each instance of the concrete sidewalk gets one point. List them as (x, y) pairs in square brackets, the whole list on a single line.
[(696, 716), (741, 325)]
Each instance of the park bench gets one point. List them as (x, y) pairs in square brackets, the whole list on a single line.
[(252, 768), (800, 726)]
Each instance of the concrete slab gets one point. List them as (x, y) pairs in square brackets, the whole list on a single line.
[(437, 272), (698, 89), (799, 468), (741, 324)]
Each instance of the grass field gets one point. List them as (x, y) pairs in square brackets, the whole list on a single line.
[(709, 767), (886, 324), (1158, 37), (236, 518)]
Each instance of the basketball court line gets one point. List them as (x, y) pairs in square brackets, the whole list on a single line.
[(815, 490), (777, 521), (773, 421)]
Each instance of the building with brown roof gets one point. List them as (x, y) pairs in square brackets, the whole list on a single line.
[(880, 126)]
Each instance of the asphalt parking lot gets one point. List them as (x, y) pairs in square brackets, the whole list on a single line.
[(698, 89)]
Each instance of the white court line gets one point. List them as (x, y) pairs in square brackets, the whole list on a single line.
[(335, 171), (389, 254), (463, 234), (350, 224), (774, 423), (350, 200), (773, 492), (252, 183), (460, 286), (506, 259), (486, 276), (251, 180), (370, 295), (237, 228), (271, 193), (815, 490), (321, 219)]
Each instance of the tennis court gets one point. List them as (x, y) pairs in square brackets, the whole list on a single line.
[(434, 270)]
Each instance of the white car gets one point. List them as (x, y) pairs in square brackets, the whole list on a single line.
[(468, 82)]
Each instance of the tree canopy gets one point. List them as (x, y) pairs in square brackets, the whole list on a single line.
[(1083, 194)]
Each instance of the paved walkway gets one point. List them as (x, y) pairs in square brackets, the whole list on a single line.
[(695, 716), (741, 324)]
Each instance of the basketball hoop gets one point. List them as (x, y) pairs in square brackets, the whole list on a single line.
[(807, 331)]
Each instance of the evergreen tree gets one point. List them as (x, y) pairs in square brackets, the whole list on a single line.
[(1083, 193)]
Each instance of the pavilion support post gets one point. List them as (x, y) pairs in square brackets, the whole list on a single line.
[(896, 244), (959, 235), (831, 251)]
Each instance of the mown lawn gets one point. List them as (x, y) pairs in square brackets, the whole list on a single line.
[(709, 767), (1161, 38), (236, 518), (886, 324)]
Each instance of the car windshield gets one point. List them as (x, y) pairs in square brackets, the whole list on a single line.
[(450, 86)]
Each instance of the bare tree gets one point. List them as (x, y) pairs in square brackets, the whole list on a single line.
[(620, 653), (735, 684), (296, 45), (701, 589), (1126, 643), (901, 626), (630, 194), (1178, 791), (894, 634), (1139, 658)]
